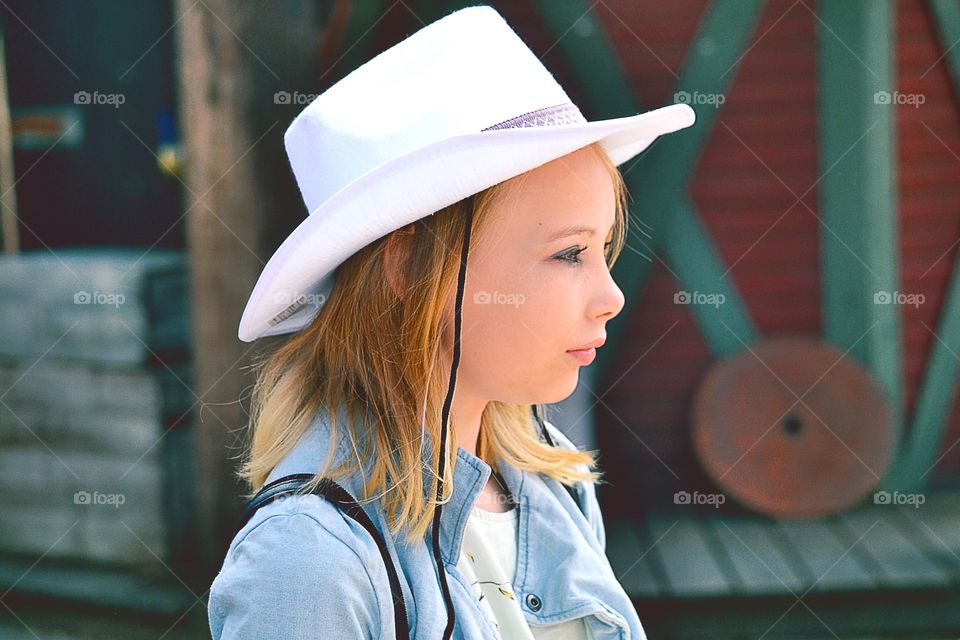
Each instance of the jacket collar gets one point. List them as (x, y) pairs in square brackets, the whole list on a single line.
[(470, 476)]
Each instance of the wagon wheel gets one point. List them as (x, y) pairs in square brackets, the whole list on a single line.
[(792, 428)]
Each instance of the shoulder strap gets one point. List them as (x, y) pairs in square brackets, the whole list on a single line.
[(334, 493)]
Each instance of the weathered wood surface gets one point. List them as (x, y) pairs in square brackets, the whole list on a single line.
[(873, 548), (110, 306), (95, 386)]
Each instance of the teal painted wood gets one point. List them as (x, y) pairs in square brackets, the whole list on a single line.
[(762, 564), (899, 562), (914, 466), (691, 565), (708, 70), (934, 528), (859, 234), (631, 560), (872, 549), (356, 46), (660, 194), (946, 15), (827, 558), (591, 57), (715, 302), (928, 425), (429, 11)]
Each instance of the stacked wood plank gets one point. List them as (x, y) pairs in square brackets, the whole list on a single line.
[(890, 570), (94, 387)]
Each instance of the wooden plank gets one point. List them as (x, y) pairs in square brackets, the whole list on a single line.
[(631, 560), (32, 472), (69, 404), (92, 304), (934, 528), (761, 562), (97, 586), (859, 234), (692, 570), (828, 560), (136, 538), (901, 563), (850, 616), (82, 506)]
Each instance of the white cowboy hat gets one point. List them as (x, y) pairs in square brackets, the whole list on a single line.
[(453, 109)]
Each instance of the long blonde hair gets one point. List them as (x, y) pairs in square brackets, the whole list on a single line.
[(378, 356)]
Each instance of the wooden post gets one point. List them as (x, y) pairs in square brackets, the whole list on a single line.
[(859, 237), (242, 200), (913, 469), (8, 193)]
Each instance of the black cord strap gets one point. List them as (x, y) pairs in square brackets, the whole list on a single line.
[(334, 493)]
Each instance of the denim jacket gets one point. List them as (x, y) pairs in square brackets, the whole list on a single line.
[(300, 568)]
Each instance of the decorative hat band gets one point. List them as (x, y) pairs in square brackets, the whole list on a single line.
[(566, 113)]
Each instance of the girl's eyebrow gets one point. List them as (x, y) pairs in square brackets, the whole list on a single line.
[(573, 230)]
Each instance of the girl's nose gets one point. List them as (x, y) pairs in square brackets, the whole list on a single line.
[(609, 300)]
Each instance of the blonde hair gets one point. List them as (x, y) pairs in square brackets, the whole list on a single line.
[(378, 356)]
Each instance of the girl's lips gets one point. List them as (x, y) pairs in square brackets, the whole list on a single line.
[(584, 356)]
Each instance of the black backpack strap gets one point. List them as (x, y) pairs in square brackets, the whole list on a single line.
[(549, 440), (335, 494)]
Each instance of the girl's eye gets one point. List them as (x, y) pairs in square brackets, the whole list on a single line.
[(572, 255)]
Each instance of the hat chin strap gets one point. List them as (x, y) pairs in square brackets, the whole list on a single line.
[(457, 322)]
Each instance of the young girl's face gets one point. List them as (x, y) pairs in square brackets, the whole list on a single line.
[(537, 287)]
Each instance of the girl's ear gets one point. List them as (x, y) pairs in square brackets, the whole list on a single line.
[(396, 252)]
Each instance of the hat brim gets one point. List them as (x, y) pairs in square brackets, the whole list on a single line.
[(416, 185)]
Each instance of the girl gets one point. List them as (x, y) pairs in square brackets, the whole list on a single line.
[(409, 485)]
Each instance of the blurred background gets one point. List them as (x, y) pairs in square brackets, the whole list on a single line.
[(775, 407)]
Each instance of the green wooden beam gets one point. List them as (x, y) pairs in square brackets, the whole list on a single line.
[(911, 471), (659, 184), (708, 71), (429, 11), (356, 45), (946, 15), (858, 199), (717, 308), (590, 56)]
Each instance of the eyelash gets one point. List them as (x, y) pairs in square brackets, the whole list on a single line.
[(572, 256)]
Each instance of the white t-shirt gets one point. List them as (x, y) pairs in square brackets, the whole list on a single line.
[(488, 560)]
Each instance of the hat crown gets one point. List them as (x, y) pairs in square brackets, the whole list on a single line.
[(464, 73)]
